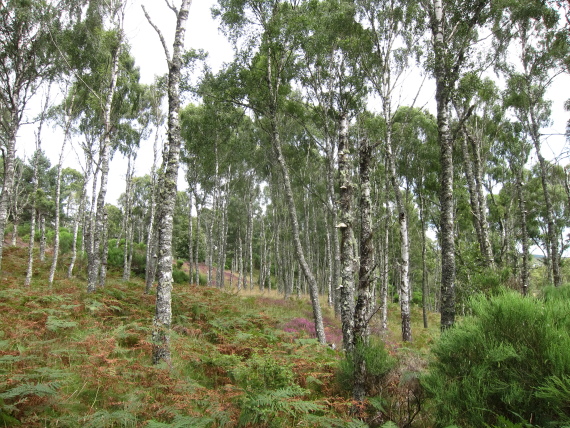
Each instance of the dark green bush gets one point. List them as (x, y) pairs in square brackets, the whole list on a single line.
[(115, 257), (203, 279), (65, 241), (501, 363), (180, 277), (378, 364)]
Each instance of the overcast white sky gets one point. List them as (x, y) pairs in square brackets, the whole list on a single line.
[(202, 33)]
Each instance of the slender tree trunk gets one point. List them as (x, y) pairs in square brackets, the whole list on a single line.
[(474, 174), (16, 206), (240, 263), (468, 167), (15, 225), (524, 233), (365, 273), (330, 263), (150, 268), (31, 242), (277, 251), (90, 221), (262, 256), (425, 291), (551, 229), (198, 218), (167, 192), (9, 172), (249, 234), (57, 198), (152, 249), (346, 218), (404, 292), (313, 287), (76, 220), (126, 220), (334, 232), (210, 247), (222, 237), (447, 221), (94, 268), (478, 163), (104, 250), (42, 221), (385, 264), (190, 237)]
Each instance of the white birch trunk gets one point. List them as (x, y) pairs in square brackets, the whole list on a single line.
[(348, 261), (42, 221), (167, 191), (58, 197), (33, 219), (94, 268)]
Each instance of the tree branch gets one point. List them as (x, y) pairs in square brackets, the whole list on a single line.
[(161, 37), (171, 7)]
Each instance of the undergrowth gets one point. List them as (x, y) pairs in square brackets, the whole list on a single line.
[(73, 359)]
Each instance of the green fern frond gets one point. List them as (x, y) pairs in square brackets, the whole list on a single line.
[(26, 389), (262, 408), (55, 324), (103, 418)]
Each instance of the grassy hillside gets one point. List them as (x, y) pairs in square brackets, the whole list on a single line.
[(72, 359)]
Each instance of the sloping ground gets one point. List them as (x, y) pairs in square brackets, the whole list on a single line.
[(72, 359)]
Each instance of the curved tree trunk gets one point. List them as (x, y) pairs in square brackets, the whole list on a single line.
[(313, 287)]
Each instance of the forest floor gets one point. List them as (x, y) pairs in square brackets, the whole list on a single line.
[(73, 359)]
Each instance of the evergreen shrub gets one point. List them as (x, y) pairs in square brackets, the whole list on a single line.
[(65, 241), (179, 276), (506, 362), (115, 256), (203, 279), (378, 365)]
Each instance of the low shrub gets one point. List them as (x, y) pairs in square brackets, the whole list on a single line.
[(378, 365), (506, 362), (179, 276)]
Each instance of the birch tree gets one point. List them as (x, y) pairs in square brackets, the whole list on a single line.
[(268, 53), (543, 48), (66, 136), (395, 31), (453, 26), (26, 30), (167, 185)]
